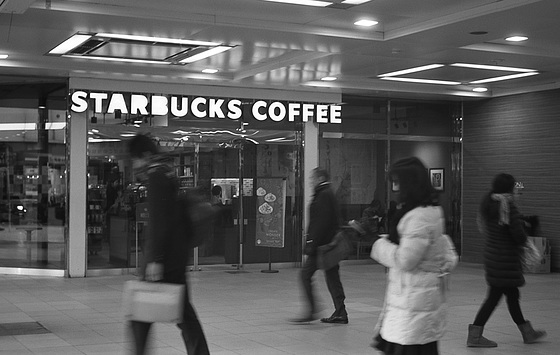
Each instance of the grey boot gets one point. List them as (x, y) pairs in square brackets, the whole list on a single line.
[(476, 340), (530, 335)]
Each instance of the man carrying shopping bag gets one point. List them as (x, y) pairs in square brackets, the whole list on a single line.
[(167, 243)]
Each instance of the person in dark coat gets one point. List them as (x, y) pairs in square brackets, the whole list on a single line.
[(324, 222), (166, 250), (503, 227)]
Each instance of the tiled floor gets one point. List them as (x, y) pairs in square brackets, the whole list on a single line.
[(247, 313)]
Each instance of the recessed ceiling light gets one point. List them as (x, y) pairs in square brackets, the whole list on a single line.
[(480, 89), (304, 2), (517, 38), (366, 23), (329, 78), (210, 71), (3, 56), (355, 2)]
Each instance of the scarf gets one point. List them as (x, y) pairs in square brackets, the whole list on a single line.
[(504, 200)]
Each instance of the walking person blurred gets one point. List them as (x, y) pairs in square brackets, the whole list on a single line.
[(419, 257), (166, 249), (324, 222), (503, 228)]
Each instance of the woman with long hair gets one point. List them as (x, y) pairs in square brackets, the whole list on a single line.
[(419, 257), (500, 221)]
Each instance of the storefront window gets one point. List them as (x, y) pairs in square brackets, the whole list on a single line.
[(376, 133), (33, 186), (224, 160)]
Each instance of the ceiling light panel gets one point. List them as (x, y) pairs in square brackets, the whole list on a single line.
[(412, 70), (113, 59), (517, 39), (366, 23), (184, 42), (70, 44), (491, 67), (505, 77), (136, 49), (422, 81), (457, 74), (355, 2), (303, 2), (205, 54)]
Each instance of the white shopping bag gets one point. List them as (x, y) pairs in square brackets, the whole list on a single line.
[(153, 301)]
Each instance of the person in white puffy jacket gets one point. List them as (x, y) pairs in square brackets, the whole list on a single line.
[(419, 256)]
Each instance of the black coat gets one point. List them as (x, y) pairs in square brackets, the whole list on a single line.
[(324, 218), (167, 240), (502, 252)]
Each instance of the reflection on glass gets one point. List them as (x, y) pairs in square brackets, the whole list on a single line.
[(32, 188)]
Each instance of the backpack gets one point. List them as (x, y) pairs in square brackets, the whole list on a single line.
[(199, 215)]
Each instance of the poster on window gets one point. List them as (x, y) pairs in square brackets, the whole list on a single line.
[(271, 212)]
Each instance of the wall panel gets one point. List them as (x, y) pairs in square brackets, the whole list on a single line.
[(518, 135)]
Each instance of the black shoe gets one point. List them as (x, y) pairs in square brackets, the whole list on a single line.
[(335, 320)]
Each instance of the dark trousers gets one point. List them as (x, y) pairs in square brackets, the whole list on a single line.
[(191, 330), (493, 298), (333, 283)]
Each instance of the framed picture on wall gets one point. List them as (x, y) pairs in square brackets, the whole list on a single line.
[(437, 178)]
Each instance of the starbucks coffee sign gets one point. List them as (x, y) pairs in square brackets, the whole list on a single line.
[(203, 107)]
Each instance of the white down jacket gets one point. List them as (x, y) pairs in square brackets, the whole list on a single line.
[(415, 300)]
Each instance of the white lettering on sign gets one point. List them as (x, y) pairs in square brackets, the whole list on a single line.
[(257, 108), (175, 110), (195, 107), (138, 104), (117, 103), (215, 108), (234, 109), (201, 107)]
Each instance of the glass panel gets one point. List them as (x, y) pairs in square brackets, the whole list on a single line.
[(32, 188), (432, 132), (375, 133), (354, 153)]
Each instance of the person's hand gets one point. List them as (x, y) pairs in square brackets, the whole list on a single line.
[(154, 272)]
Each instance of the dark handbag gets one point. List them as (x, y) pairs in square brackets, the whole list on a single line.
[(329, 255)]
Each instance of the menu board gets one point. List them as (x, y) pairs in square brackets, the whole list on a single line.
[(271, 212)]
